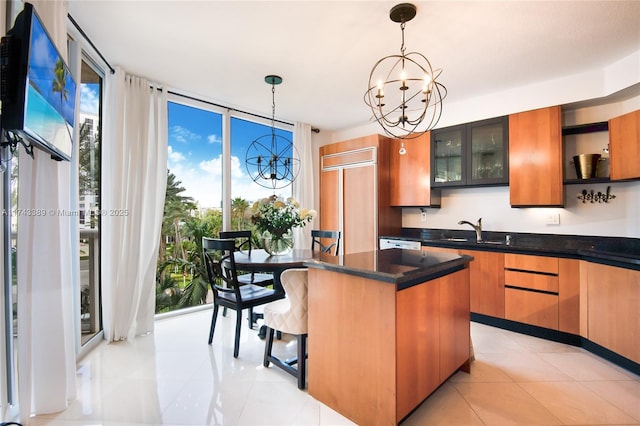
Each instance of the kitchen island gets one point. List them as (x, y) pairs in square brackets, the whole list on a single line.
[(386, 329)]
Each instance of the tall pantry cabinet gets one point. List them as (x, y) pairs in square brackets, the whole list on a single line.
[(354, 192)]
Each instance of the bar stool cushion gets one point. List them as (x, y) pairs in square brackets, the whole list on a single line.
[(289, 315)]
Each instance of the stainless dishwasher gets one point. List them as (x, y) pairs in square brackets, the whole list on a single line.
[(387, 243)]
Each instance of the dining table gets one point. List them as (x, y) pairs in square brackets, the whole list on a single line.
[(259, 260)]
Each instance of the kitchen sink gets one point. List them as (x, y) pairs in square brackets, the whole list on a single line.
[(491, 242), (460, 240)]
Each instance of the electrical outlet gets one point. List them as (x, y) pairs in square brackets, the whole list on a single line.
[(553, 219), (423, 216)]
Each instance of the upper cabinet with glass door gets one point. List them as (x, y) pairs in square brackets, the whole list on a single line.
[(472, 154)]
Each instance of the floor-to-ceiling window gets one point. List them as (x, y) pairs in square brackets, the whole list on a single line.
[(89, 144), (205, 157), (193, 204), (251, 137)]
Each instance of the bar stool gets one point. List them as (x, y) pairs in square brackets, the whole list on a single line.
[(289, 315)]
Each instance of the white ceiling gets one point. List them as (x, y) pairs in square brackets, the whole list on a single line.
[(324, 50)]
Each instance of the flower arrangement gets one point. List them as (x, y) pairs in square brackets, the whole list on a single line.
[(278, 216)]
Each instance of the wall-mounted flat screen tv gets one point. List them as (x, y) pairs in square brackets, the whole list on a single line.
[(38, 90)]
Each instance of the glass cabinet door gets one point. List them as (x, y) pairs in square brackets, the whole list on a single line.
[(448, 152), (471, 154), (488, 156)]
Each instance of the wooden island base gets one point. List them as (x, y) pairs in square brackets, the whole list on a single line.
[(376, 352)]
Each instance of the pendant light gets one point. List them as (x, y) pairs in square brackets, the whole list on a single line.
[(404, 93), (272, 160)]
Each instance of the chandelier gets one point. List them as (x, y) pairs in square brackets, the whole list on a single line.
[(271, 160), (404, 93)]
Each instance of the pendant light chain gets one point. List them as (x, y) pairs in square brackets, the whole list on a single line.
[(273, 111), (402, 47)]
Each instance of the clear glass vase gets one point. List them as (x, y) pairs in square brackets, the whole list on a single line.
[(277, 245)]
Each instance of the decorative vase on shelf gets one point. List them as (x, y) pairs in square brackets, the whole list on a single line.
[(277, 245)]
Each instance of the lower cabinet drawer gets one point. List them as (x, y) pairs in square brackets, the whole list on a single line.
[(541, 282), (531, 307)]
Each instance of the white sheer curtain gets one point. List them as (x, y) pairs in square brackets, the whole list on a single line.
[(303, 184), (134, 185), (47, 245)]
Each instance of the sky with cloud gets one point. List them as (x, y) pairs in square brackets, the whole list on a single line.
[(195, 155), (195, 151)]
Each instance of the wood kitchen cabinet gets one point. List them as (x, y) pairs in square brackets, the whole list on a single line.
[(486, 273), (531, 289), (535, 158), (410, 176), (378, 351), (354, 192), (624, 146), (471, 154), (537, 290), (543, 291), (486, 280), (569, 296), (613, 298)]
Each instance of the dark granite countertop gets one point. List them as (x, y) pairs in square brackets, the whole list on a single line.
[(404, 268), (615, 251)]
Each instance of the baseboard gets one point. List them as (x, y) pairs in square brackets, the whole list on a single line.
[(560, 337)]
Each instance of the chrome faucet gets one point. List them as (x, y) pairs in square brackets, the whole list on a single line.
[(477, 228)]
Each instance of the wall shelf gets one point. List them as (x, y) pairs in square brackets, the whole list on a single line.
[(586, 181), (585, 138), (602, 126)]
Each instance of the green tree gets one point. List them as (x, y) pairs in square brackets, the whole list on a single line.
[(168, 291), (177, 209), (59, 82), (238, 207), (195, 293), (177, 213)]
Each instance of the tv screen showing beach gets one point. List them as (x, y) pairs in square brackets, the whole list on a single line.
[(51, 93)]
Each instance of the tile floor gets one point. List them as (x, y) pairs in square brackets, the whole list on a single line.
[(173, 377)]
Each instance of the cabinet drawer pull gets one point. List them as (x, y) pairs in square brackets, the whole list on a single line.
[(513, 287)]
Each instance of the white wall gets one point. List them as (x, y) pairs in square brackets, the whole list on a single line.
[(620, 217), (588, 85)]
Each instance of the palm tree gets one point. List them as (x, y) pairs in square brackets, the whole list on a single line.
[(238, 207), (177, 209), (195, 293), (59, 83)]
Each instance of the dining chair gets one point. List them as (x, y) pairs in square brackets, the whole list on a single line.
[(218, 255), (289, 315), (243, 243), (332, 246)]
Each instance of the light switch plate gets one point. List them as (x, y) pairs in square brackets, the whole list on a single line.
[(553, 219), (423, 216)]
